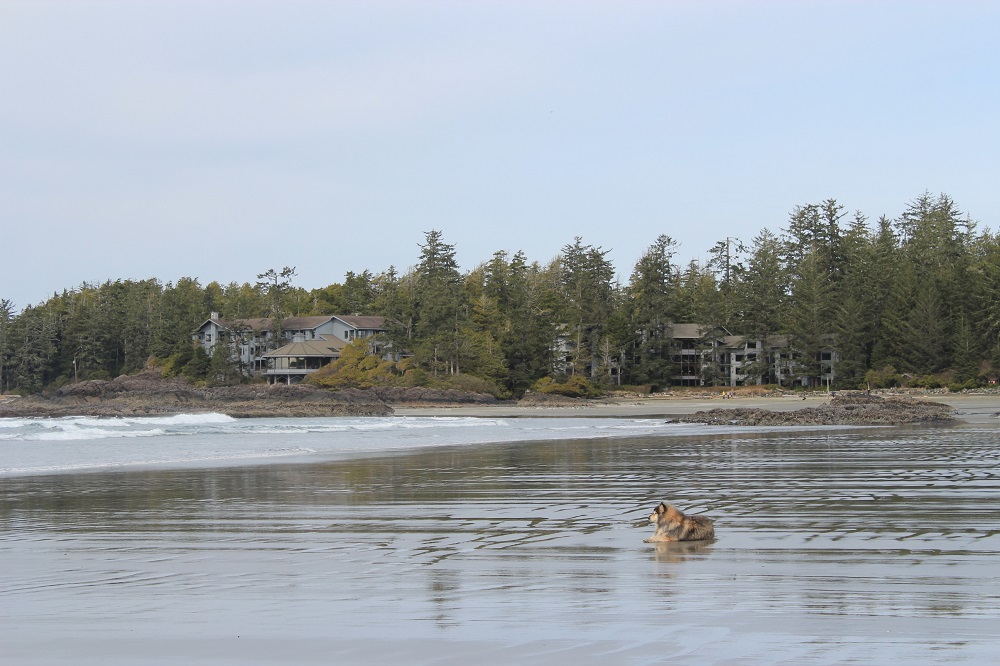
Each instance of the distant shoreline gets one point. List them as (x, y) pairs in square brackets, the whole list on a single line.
[(140, 398), (979, 409)]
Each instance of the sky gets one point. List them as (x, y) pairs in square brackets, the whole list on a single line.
[(217, 139)]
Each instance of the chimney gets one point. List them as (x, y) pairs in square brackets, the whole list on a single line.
[(215, 315)]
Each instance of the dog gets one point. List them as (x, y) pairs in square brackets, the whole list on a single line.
[(674, 525)]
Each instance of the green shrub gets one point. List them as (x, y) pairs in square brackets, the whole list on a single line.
[(575, 386), (414, 377), (469, 384), (885, 377)]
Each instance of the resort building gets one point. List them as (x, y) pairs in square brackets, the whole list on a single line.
[(705, 357), (288, 349), (291, 363)]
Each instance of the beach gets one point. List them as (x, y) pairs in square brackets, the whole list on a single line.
[(426, 543), (969, 408)]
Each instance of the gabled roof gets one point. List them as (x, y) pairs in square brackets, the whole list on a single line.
[(266, 323), (687, 331), (697, 331), (367, 323), (325, 346), (296, 323)]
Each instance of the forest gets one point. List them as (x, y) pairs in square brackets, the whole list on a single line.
[(913, 299)]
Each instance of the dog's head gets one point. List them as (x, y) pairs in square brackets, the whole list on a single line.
[(665, 513)]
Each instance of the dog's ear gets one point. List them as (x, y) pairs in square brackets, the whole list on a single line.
[(662, 508)]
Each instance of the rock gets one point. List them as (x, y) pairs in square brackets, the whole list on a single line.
[(842, 410), (533, 399), (421, 396), (148, 394)]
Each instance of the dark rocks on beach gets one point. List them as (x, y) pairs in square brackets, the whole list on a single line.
[(533, 399), (420, 396), (842, 410), (149, 394)]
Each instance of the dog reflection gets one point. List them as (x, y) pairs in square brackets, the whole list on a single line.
[(678, 551)]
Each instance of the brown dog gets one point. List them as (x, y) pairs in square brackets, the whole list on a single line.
[(674, 525)]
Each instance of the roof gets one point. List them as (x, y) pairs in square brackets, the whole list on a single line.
[(325, 346), (686, 331), (377, 323), (296, 323), (266, 323)]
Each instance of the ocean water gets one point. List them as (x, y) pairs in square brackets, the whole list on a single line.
[(203, 540), (78, 444)]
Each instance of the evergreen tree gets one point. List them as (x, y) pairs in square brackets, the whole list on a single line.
[(224, 364), (890, 348), (278, 288), (392, 301), (968, 352), (986, 297), (526, 296), (358, 293), (924, 332), (182, 309), (809, 321), (589, 299), (857, 304), (35, 335), (764, 290), (438, 310), (650, 296), (727, 263), (7, 317), (697, 296)]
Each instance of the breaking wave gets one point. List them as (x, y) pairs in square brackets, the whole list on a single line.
[(74, 444)]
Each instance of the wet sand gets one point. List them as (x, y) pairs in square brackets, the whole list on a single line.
[(834, 546), (972, 409)]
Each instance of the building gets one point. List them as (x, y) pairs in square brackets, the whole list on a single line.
[(291, 363), (705, 356), (253, 339)]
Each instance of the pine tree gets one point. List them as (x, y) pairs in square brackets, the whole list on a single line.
[(763, 292), (650, 297), (528, 296), (438, 310), (809, 321), (7, 317), (589, 299), (727, 264)]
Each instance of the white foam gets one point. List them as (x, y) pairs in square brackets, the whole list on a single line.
[(15, 423), (183, 419), (89, 433), (80, 443)]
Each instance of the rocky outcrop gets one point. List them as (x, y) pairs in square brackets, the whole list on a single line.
[(842, 410), (428, 397), (535, 399), (148, 394)]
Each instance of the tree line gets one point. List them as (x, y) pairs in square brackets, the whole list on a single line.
[(914, 296)]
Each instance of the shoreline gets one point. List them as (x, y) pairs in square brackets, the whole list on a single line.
[(974, 409)]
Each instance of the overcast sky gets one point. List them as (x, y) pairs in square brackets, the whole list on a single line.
[(217, 139)]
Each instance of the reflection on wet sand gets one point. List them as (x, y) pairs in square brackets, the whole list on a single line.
[(872, 545), (679, 551)]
